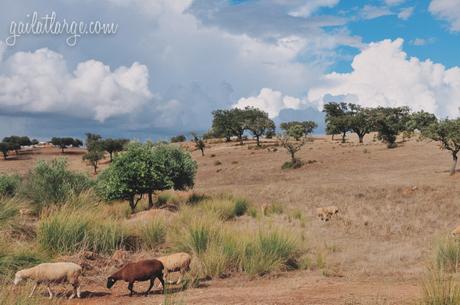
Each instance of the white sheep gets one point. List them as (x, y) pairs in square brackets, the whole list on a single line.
[(176, 262), (52, 273)]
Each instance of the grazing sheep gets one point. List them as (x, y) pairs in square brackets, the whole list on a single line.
[(140, 271), (176, 262), (52, 273), (326, 213), (455, 232)]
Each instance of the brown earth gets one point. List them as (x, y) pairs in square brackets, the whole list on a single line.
[(394, 205)]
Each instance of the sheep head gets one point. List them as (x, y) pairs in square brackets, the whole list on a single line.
[(18, 277)]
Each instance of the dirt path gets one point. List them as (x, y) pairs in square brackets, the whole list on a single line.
[(292, 288)]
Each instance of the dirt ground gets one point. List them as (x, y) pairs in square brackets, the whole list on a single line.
[(394, 205)]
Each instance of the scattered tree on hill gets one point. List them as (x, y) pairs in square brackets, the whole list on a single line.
[(93, 157), (63, 143), (144, 169), (306, 128), (337, 120), (447, 132), (34, 142), (114, 146), (389, 122), (222, 124), (179, 138), (360, 121), (93, 141), (15, 142), (418, 121), (258, 123), (199, 143), (4, 148), (292, 147)]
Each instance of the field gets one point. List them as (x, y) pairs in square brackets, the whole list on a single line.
[(395, 205)]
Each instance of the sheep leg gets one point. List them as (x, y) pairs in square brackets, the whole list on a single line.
[(33, 289), (76, 290), (131, 290), (162, 282), (152, 281), (50, 292)]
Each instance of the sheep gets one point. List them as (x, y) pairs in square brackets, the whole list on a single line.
[(455, 232), (139, 271), (52, 273), (326, 213), (176, 262)]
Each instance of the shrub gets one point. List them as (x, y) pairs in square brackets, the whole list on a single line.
[(153, 233), (69, 230), (224, 208), (8, 210), (274, 208), (179, 138), (167, 197), (241, 207), (296, 163), (52, 182), (9, 185)]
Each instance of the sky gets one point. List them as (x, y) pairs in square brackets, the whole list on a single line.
[(172, 62)]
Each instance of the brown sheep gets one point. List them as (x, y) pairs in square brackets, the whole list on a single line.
[(139, 271), (326, 213), (455, 232)]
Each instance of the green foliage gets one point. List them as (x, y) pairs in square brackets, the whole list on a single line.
[(337, 120), (9, 184), (93, 157), (229, 122), (360, 120), (4, 149), (9, 208), (15, 142), (241, 207), (297, 130), (63, 143), (293, 164), (178, 139), (389, 122), (420, 121), (447, 255), (52, 182), (258, 123), (144, 169), (114, 146), (292, 147), (440, 289)]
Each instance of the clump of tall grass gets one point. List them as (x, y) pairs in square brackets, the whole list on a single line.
[(70, 230), (269, 250), (167, 198), (241, 207), (447, 255), (52, 182), (9, 184), (153, 233), (15, 256), (9, 208), (440, 288), (10, 295)]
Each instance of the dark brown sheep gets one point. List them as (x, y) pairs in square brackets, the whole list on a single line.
[(140, 271)]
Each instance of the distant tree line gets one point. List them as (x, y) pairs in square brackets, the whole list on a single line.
[(15, 143)]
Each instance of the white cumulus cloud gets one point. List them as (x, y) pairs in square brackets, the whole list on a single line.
[(39, 82), (271, 101), (383, 75), (448, 10)]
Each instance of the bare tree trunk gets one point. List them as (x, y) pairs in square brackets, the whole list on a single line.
[(202, 151), (95, 169), (132, 204), (343, 137), (292, 157), (361, 139), (150, 200), (258, 141), (454, 163), (333, 137)]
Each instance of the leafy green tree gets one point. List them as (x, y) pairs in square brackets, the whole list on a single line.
[(113, 146), (389, 122), (360, 121), (94, 141), (222, 124), (306, 128), (15, 142), (447, 132), (199, 143), (179, 138), (418, 121), (63, 143), (292, 148), (337, 119), (144, 169), (93, 157), (4, 148), (34, 142), (258, 123)]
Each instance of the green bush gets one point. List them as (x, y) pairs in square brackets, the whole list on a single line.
[(9, 185), (52, 182), (68, 231), (241, 207), (292, 164)]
